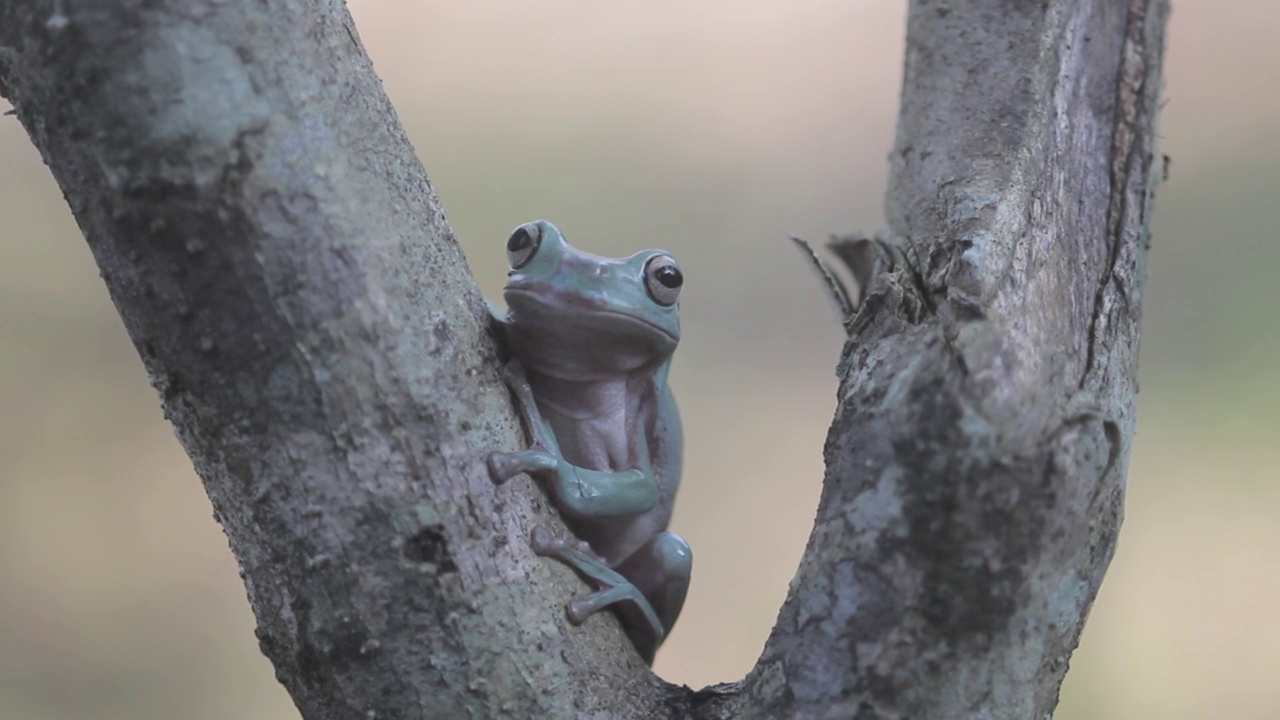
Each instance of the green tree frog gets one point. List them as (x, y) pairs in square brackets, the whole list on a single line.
[(591, 340)]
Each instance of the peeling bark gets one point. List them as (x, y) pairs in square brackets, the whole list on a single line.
[(285, 271)]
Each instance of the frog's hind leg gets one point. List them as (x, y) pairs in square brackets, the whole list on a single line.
[(661, 569), (613, 589)]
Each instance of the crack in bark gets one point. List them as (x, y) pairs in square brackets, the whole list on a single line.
[(1129, 96)]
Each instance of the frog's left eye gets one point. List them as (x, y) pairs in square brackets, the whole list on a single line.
[(662, 278), (522, 244)]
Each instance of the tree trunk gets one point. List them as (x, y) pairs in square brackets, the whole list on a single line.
[(287, 275)]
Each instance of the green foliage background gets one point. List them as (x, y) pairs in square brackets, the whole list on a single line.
[(708, 129)]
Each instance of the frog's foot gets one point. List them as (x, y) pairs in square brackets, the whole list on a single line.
[(613, 587), (505, 465), (548, 544)]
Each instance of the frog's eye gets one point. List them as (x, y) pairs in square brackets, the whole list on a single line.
[(522, 244), (662, 278)]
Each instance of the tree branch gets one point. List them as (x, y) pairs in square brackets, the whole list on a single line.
[(976, 465), (284, 269)]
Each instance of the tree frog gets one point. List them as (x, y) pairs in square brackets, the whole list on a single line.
[(591, 341)]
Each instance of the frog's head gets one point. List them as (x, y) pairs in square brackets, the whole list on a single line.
[(575, 311)]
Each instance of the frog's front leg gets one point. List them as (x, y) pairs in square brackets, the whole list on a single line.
[(544, 453), (579, 493)]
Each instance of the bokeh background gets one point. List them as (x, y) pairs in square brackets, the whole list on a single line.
[(708, 129)]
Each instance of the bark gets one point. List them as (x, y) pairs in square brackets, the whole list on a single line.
[(285, 271)]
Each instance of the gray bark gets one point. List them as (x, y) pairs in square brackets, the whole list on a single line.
[(287, 275)]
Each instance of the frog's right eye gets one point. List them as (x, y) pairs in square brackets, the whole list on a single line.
[(522, 244)]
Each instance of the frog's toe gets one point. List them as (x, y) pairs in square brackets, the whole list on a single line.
[(513, 373), (578, 610), (502, 466), (541, 540)]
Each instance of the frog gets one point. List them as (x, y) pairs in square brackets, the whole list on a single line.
[(591, 340)]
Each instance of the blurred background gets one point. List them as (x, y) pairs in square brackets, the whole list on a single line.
[(707, 129)]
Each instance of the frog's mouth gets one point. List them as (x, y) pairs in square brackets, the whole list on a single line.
[(570, 310)]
